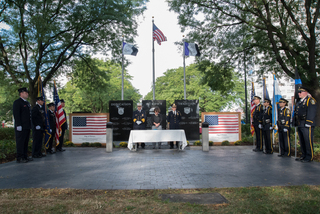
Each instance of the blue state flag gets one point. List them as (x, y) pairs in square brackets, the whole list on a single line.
[(191, 49), (276, 99)]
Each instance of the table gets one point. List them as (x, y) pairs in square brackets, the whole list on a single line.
[(143, 136)]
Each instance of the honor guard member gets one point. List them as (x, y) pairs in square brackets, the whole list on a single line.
[(52, 121), (257, 123), (173, 119), (139, 121), (283, 123), (64, 127), (38, 123), (22, 125), (267, 126), (304, 117)]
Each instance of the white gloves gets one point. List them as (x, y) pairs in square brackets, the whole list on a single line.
[(50, 130), (285, 130), (138, 122), (19, 128), (38, 127), (271, 128), (260, 126), (307, 125)]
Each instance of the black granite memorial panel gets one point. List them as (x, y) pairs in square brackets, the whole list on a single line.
[(189, 117), (121, 117)]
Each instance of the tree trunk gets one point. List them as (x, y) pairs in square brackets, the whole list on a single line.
[(316, 95)]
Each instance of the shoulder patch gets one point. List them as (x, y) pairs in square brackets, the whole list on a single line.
[(312, 101)]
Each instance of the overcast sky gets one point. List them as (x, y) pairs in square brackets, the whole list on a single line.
[(167, 55)]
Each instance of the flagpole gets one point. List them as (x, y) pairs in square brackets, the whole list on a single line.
[(295, 103), (122, 68), (274, 111), (153, 85), (184, 69)]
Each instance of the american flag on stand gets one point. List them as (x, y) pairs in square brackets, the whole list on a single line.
[(223, 123), (93, 125), (158, 35), (60, 118), (253, 107)]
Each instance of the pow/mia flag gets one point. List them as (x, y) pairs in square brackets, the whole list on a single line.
[(129, 49)]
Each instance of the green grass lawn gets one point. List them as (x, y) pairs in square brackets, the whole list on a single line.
[(289, 199)]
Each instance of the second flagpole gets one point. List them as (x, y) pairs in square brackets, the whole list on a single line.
[(184, 69), (153, 85)]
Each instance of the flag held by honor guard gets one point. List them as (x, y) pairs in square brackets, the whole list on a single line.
[(191, 49), (129, 49)]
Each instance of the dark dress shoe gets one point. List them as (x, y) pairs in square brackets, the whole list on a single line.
[(22, 160), (280, 155), (299, 159), (43, 155), (171, 147), (62, 150), (305, 161), (30, 159), (36, 156)]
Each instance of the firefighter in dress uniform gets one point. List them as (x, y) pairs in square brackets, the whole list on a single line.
[(283, 123), (257, 123), (173, 119), (52, 121), (38, 123), (139, 121), (22, 125), (267, 126), (304, 118)]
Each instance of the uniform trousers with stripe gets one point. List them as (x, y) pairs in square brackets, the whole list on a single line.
[(259, 135), (267, 140), (306, 142), (284, 141)]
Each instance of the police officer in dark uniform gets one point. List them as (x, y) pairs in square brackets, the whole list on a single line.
[(257, 123), (52, 122), (64, 127), (22, 125), (38, 124), (304, 117), (283, 123), (173, 119), (139, 121), (267, 126)]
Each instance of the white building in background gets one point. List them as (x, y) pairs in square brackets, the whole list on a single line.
[(286, 85)]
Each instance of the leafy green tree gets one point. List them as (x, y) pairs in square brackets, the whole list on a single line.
[(93, 84), (42, 36), (277, 34), (170, 87)]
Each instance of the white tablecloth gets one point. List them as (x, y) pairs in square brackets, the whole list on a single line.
[(139, 136)]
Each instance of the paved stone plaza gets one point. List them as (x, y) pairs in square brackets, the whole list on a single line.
[(93, 168)]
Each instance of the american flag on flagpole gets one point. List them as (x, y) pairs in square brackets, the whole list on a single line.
[(60, 118), (223, 124), (89, 125), (158, 35), (253, 107)]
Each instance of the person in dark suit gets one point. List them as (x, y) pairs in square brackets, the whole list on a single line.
[(173, 119), (64, 127), (267, 126), (38, 124), (139, 121), (304, 117), (52, 121), (283, 123), (22, 125), (257, 123)]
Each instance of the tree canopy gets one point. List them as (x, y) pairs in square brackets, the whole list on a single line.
[(93, 84), (275, 34), (42, 36), (170, 87)]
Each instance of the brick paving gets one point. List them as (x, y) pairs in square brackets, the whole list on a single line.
[(93, 168)]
